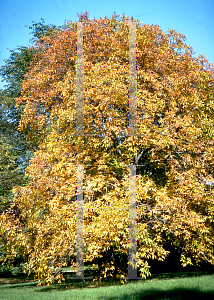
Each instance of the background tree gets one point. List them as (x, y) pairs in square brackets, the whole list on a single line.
[(174, 150), (15, 150)]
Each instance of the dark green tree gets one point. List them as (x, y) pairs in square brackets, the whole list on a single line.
[(15, 151)]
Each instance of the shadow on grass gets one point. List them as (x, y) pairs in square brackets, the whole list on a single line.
[(175, 294), (141, 293), (17, 280), (155, 294), (19, 284)]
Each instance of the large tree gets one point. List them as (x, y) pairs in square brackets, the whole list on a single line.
[(173, 148)]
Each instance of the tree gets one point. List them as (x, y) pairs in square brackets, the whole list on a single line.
[(14, 149), (173, 151), (15, 153)]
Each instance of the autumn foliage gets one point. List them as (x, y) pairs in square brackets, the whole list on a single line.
[(173, 148)]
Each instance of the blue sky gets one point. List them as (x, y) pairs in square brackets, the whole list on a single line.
[(193, 18)]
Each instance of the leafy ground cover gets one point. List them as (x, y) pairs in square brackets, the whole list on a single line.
[(165, 286)]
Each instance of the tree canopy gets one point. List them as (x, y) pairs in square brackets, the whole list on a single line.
[(173, 151), (15, 153)]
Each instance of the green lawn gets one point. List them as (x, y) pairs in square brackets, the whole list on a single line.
[(192, 287)]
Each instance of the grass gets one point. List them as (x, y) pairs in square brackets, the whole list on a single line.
[(166, 286)]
